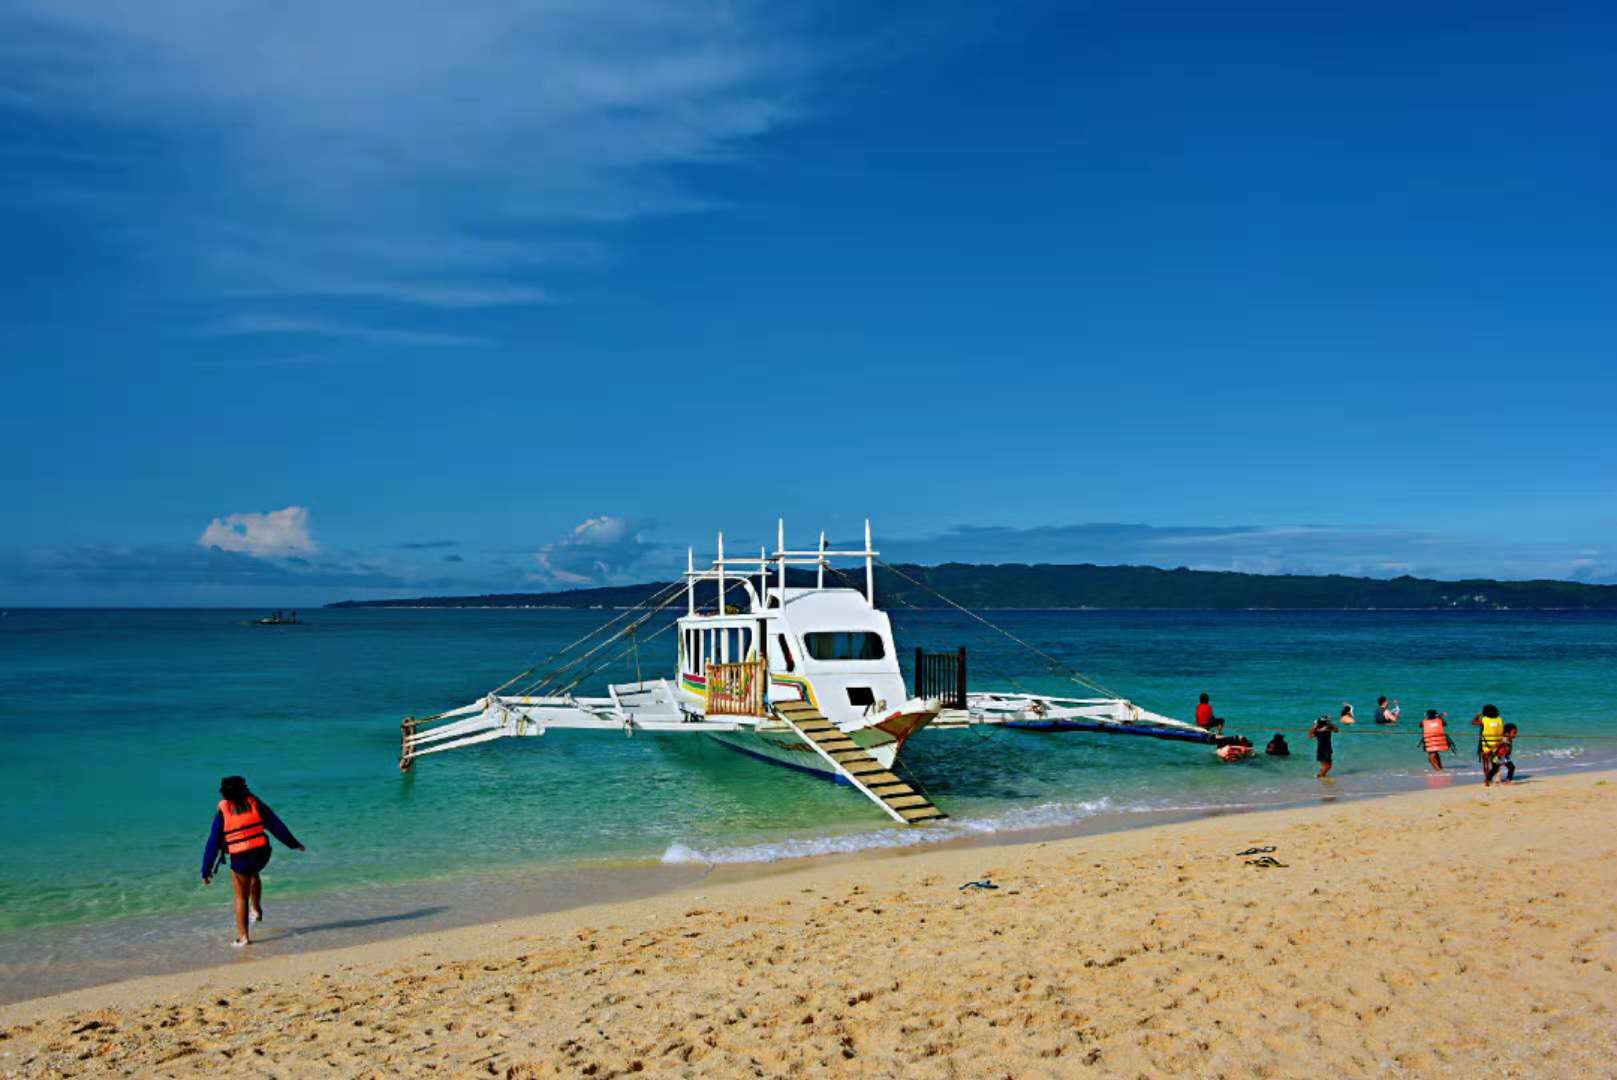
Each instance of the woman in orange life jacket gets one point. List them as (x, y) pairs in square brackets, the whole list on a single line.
[(1434, 738), (239, 827)]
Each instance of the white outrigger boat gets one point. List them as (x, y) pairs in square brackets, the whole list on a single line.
[(801, 675)]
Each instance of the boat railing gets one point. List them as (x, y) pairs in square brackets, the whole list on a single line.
[(736, 689), (941, 676)]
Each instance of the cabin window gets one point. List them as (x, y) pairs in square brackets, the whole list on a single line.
[(861, 697), (844, 645), (783, 656)]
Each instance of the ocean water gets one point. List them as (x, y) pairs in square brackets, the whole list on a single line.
[(116, 726)]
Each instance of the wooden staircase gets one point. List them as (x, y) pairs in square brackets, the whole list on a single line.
[(855, 765)]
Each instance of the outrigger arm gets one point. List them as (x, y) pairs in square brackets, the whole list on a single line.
[(650, 706)]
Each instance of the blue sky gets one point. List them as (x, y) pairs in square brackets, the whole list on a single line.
[(303, 303)]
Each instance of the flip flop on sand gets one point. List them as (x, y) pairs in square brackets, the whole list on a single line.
[(1265, 861), (979, 885), (1254, 851)]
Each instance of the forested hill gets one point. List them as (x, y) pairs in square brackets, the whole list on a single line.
[(1015, 585)]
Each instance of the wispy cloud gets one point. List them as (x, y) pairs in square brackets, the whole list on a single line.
[(409, 152), (270, 325), (240, 363)]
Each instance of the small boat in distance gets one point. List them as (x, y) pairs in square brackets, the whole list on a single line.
[(277, 618)]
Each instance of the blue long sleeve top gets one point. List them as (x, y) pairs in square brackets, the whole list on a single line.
[(216, 837)]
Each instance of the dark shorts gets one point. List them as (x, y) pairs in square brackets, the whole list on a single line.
[(251, 861), (1323, 756)]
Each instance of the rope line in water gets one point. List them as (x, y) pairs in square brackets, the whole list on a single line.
[(1414, 732)]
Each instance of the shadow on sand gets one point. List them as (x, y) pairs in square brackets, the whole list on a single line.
[(355, 924)]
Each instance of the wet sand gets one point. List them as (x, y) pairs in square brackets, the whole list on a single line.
[(1462, 931)]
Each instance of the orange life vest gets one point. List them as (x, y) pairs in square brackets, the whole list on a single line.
[(243, 832), (1434, 735)]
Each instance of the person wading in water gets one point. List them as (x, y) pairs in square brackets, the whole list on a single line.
[(1493, 733), (1321, 733), (1434, 738), (239, 827)]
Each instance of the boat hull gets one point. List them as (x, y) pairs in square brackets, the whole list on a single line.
[(791, 753), (780, 745)]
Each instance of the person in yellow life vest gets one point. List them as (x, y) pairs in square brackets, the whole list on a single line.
[(242, 826), (1493, 734), (1434, 738)]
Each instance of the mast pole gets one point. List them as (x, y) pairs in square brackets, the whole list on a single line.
[(780, 548), (870, 567), (819, 570), (690, 581), (721, 573)]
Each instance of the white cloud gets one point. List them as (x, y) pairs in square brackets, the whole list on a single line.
[(405, 151), (276, 533), (601, 551)]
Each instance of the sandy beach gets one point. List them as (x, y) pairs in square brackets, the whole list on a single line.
[(1459, 931)]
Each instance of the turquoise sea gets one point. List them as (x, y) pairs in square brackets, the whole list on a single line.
[(116, 726)]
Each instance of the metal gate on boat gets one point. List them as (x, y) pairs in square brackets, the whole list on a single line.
[(941, 675)]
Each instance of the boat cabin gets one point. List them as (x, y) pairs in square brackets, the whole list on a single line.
[(824, 644)]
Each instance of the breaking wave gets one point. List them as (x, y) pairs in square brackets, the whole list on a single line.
[(1043, 816)]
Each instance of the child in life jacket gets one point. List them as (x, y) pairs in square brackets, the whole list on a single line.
[(1434, 738), (1503, 757)]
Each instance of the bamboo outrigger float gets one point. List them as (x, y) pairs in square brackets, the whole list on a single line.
[(796, 675)]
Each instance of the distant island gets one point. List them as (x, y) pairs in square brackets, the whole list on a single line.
[(1047, 586)]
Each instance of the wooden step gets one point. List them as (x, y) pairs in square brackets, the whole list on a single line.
[(886, 791), (855, 762)]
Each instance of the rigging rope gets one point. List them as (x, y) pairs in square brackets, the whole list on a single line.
[(1066, 669), (667, 596), (603, 665), (565, 649)]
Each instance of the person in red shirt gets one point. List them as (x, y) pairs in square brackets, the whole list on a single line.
[(1206, 719)]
